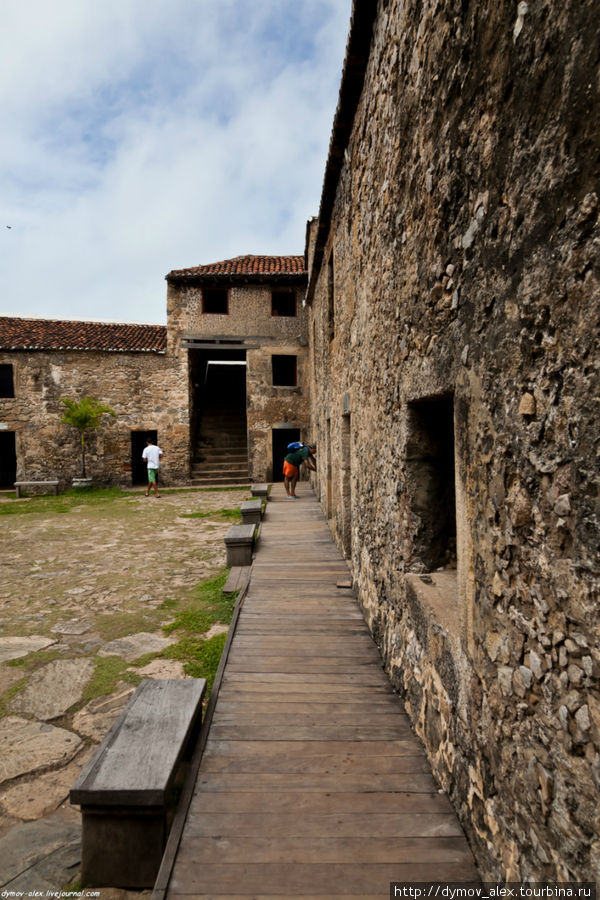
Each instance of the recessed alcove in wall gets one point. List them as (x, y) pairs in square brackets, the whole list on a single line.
[(283, 303), (7, 386), (431, 482), (215, 301), (285, 370)]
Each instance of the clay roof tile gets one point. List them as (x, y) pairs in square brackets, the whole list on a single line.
[(245, 265), (51, 334)]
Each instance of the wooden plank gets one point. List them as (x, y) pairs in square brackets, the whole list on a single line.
[(327, 880), (309, 733), (283, 703), (237, 580), (325, 849), (298, 664), (330, 803), (256, 896), (335, 748), (359, 652), (347, 679), (312, 718), (412, 782), (370, 765), (310, 824)]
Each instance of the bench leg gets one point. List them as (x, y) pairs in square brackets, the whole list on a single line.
[(18, 491), (122, 847)]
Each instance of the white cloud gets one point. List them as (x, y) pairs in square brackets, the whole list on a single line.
[(149, 135)]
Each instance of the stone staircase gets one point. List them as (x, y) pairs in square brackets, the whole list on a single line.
[(221, 450)]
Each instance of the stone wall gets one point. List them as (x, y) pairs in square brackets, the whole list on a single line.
[(249, 314), (146, 390), (454, 327)]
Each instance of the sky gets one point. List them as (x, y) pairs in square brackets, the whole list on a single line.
[(141, 136)]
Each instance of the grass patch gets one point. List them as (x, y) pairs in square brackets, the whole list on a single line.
[(208, 605), (109, 670), (65, 502), (200, 658), (210, 595), (111, 626), (193, 621), (234, 515), (32, 660), (9, 695)]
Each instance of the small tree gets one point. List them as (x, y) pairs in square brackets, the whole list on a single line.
[(85, 415)]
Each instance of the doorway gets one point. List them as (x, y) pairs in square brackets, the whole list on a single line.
[(281, 438), (138, 445), (8, 459)]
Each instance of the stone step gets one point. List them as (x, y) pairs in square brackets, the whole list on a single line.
[(211, 481), (233, 450), (241, 459), (220, 441), (208, 469)]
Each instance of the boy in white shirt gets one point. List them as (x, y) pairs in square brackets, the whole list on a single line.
[(152, 454)]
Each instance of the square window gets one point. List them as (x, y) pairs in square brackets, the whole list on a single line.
[(283, 303), (215, 301), (284, 371), (7, 387)]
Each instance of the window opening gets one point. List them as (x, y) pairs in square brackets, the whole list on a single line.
[(283, 303), (214, 301), (430, 474), (7, 385), (284, 370)]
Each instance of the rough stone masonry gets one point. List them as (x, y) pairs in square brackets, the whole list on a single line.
[(455, 311)]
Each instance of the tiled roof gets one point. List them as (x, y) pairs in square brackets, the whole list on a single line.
[(246, 265), (49, 334)]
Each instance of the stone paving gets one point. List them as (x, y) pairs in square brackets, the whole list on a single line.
[(77, 588)]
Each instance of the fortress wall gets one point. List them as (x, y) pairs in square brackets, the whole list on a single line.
[(454, 326)]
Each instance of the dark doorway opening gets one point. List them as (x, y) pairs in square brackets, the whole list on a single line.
[(138, 445), (281, 438), (430, 470), (8, 459), (218, 426)]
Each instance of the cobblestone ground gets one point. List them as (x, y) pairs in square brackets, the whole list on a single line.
[(83, 592)]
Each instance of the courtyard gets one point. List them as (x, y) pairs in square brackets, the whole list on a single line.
[(98, 590)]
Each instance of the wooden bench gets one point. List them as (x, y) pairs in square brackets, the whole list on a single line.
[(22, 484), (238, 543), (251, 511), (128, 790)]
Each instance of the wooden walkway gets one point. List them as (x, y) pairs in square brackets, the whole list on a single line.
[(311, 783)]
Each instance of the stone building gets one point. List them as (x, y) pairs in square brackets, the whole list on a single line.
[(454, 307), (239, 327), (222, 387)]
